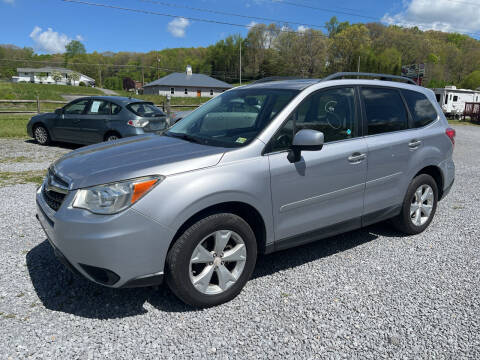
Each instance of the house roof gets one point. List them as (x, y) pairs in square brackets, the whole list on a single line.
[(193, 80), (50, 69)]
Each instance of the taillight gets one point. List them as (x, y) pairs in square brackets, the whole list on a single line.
[(451, 135), (139, 123)]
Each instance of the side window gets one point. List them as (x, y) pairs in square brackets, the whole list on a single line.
[(330, 111), (385, 110), (76, 108), (115, 108), (455, 98), (99, 107), (172, 91), (420, 107)]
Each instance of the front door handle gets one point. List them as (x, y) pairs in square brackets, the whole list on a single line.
[(357, 157), (414, 144)]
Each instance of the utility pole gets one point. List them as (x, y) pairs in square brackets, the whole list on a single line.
[(158, 62), (240, 60), (358, 64)]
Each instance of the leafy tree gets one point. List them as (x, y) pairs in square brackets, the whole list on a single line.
[(334, 27), (72, 49), (57, 76), (74, 77), (472, 81)]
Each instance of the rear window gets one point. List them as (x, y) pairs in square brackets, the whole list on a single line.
[(145, 109), (385, 110), (420, 107)]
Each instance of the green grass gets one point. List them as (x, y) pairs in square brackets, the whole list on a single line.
[(27, 91), (21, 177), (460, 122), (14, 126)]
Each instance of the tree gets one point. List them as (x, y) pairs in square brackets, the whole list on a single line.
[(74, 77), (334, 27), (57, 76), (472, 81), (72, 49)]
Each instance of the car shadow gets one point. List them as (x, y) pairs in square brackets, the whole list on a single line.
[(62, 145), (60, 290)]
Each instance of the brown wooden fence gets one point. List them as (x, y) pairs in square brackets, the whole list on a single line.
[(38, 106)]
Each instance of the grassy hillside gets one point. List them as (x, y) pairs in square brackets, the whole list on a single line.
[(27, 91)]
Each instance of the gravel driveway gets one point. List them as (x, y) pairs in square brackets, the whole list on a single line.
[(366, 294)]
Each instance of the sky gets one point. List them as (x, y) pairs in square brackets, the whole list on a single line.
[(48, 25)]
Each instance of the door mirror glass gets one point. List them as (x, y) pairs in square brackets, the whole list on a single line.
[(59, 111), (305, 140)]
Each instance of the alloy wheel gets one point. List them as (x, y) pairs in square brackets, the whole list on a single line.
[(421, 205), (217, 262), (41, 135)]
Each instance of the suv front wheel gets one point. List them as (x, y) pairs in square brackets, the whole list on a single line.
[(212, 260), (419, 205)]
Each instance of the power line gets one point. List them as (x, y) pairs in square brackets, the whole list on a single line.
[(149, 12), (229, 14)]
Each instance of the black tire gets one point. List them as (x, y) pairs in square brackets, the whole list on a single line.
[(41, 135), (111, 136), (178, 259), (403, 222)]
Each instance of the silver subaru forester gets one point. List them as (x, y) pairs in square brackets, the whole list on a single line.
[(260, 168)]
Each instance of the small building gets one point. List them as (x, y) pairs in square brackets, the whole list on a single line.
[(44, 76), (186, 84)]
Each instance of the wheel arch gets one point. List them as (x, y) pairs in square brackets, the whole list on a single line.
[(436, 173), (246, 211), (111, 132)]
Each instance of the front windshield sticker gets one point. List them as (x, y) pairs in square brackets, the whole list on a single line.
[(241, 140)]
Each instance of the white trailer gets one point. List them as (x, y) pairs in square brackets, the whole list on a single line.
[(452, 100)]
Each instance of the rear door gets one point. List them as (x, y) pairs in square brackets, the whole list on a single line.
[(67, 126), (388, 139)]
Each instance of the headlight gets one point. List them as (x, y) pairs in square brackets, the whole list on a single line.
[(115, 197)]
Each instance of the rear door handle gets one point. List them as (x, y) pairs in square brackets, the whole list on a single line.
[(357, 157), (414, 144)]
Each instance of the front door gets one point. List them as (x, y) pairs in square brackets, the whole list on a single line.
[(199, 93), (67, 126), (325, 187), (93, 126)]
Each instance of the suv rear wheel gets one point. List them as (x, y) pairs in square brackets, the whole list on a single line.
[(419, 205), (212, 260)]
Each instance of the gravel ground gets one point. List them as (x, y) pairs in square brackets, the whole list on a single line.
[(367, 294)]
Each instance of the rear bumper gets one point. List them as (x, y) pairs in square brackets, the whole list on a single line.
[(121, 250)]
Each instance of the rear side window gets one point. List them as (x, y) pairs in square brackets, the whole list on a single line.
[(420, 107), (99, 107), (385, 110), (145, 109), (116, 109)]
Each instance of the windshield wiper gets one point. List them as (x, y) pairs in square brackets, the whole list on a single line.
[(184, 136)]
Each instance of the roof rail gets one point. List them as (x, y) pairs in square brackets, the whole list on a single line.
[(277, 78), (341, 75)]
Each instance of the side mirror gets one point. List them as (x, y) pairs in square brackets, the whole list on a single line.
[(59, 111), (306, 139)]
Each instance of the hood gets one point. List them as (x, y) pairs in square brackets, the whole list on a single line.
[(134, 157)]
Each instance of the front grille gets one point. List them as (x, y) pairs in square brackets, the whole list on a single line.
[(53, 198), (54, 190)]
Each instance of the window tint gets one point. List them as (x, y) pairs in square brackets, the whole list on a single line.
[(76, 108), (115, 109), (420, 107), (385, 110), (99, 107), (145, 109), (330, 111)]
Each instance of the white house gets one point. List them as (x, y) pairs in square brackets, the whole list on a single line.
[(186, 84), (44, 76), (452, 100)]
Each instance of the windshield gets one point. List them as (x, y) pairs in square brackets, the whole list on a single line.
[(234, 118), (145, 109)]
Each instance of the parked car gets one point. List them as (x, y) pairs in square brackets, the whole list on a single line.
[(196, 205), (94, 119), (178, 115)]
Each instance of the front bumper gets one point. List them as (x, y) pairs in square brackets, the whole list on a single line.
[(120, 250)]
